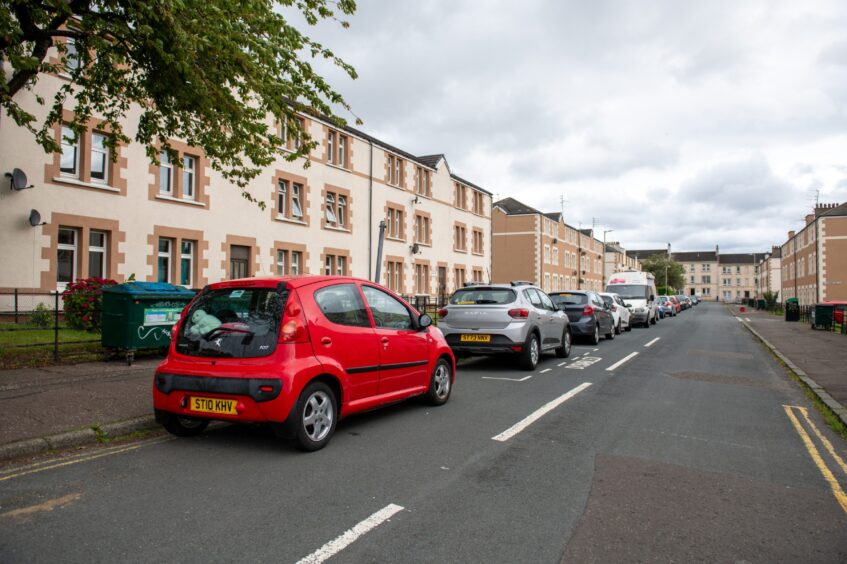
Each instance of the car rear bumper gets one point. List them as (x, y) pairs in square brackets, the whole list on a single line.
[(583, 327), (497, 344)]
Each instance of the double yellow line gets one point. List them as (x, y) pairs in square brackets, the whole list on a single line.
[(830, 478)]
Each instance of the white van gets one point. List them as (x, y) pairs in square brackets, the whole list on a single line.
[(638, 290)]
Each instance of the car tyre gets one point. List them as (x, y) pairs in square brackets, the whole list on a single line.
[(184, 426), (629, 325), (595, 338), (654, 320), (565, 350), (531, 353), (315, 416), (610, 336), (440, 383), (618, 328)]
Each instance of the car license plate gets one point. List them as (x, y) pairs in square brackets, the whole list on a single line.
[(475, 338), (213, 405)]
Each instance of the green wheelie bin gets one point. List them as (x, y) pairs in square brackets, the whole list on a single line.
[(140, 315)]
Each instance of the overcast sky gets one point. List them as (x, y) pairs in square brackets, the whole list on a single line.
[(694, 123)]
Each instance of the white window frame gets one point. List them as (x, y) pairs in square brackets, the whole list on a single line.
[(189, 177), (281, 256), (331, 218), (99, 249), (166, 167), (296, 203), (189, 256), (166, 255), (330, 146), (74, 248), (295, 262), (341, 212), (282, 197), (341, 265), (67, 134), (101, 152), (342, 150)]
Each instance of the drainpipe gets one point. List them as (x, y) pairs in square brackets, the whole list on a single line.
[(370, 206)]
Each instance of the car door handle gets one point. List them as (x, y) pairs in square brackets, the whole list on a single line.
[(326, 341), (384, 341)]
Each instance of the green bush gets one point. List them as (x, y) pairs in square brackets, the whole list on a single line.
[(83, 301), (41, 316)]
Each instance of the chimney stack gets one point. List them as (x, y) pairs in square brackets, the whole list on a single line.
[(790, 234), (810, 218)]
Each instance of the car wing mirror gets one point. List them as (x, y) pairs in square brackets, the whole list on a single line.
[(424, 321)]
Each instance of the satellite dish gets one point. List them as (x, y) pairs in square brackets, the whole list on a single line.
[(416, 249), (18, 179), (35, 218)]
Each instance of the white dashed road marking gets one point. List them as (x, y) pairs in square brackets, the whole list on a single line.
[(538, 414), (650, 344), (561, 364), (621, 361), (546, 370), (509, 379), (350, 536)]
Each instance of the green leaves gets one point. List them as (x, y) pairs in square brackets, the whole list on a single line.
[(213, 73)]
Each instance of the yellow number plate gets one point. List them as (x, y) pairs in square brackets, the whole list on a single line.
[(475, 338), (213, 405)]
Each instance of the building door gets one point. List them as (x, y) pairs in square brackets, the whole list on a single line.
[(239, 262)]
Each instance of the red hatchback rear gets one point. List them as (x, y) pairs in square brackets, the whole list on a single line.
[(298, 353)]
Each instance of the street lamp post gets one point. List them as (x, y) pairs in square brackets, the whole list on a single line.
[(604, 256)]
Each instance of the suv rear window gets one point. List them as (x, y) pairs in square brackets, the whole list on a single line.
[(570, 299), (232, 323), (481, 296)]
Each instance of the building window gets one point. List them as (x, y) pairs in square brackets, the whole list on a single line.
[(477, 275), (330, 209), (166, 170), (460, 234), (555, 252), (395, 170), (422, 279), (423, 181), (342, 151), (282, 198), (99, 158), (189, 166), (422, 231), (296, 261), (296, 201), (70, 153), (66, 256), (73, 59), (336, 210), (393, 276), (186, 263), (395, 223), (239, 261), (479, 207), (97, 254), (459, 276), (478, 244), (460, 198), (330, 146), (335, 265), (164, 262), (546, 254)]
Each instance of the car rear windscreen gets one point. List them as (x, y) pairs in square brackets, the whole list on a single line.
[(630, 291), (483, 296), (570, 299)]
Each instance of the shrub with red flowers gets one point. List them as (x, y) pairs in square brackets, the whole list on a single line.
[(83, 301)]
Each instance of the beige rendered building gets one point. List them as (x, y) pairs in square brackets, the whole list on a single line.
[(814, 259), (770, 274), (542, 249), (184, 223)]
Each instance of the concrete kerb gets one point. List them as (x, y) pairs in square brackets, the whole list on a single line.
[(839, 410), (77, 437)]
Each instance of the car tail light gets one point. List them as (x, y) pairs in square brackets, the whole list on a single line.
[(519, 313), (442, 312), (588, 310), (294, 328)]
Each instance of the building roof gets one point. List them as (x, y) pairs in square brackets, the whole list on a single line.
[(642, 254), (776, 252), (695, 256), (431, 160), (741, 258), (513, 207), (555, 216), (471, 184), (831, 210)]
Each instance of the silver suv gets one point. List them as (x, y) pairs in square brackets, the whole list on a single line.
[(517, 318)]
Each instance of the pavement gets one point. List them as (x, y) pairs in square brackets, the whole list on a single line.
[(55, 407)]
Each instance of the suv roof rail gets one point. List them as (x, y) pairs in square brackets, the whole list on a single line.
[(520, 283), (472, 283)]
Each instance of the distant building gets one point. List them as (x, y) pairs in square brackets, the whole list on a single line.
[(770, 273), (701, 273), (814, 259), (619, 259)]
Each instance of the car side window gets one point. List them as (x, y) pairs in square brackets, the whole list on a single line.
[(534, 298), (546, 301), (387, 311), (342, 304)]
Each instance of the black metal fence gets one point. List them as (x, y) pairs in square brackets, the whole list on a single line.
[(33, 324)]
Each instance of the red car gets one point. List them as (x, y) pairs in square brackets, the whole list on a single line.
[(299, 353), (676, 303)]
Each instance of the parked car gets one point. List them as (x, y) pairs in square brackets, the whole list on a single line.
[(620, 313), (517, 319), (666, 305), (638, 290), (589, 315), (694, 299), (299, 353), (676, 304), (681, 299)]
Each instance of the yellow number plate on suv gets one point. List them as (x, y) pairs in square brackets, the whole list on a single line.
[(475, 338), (213, 405)]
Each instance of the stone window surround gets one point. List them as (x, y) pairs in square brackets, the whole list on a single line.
[(389, 159), (427, 215), (250, 242), (84, 225), (401, 208), (426, 181), (402, 262), (114, 183), (481, 233), (348, 149), (423, 262), (348, 224), (337, 253), (456, 269), (290, 247), (201, 178), (460, 246), (304, 199), (177, 235)]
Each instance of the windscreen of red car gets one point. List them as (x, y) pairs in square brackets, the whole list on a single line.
[(232, 323)]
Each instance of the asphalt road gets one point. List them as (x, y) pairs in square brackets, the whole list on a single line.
[(684, 452)]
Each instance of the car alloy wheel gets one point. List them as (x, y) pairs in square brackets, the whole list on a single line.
[(315, 416), (565, 350), (531, 353), (440, 384)]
